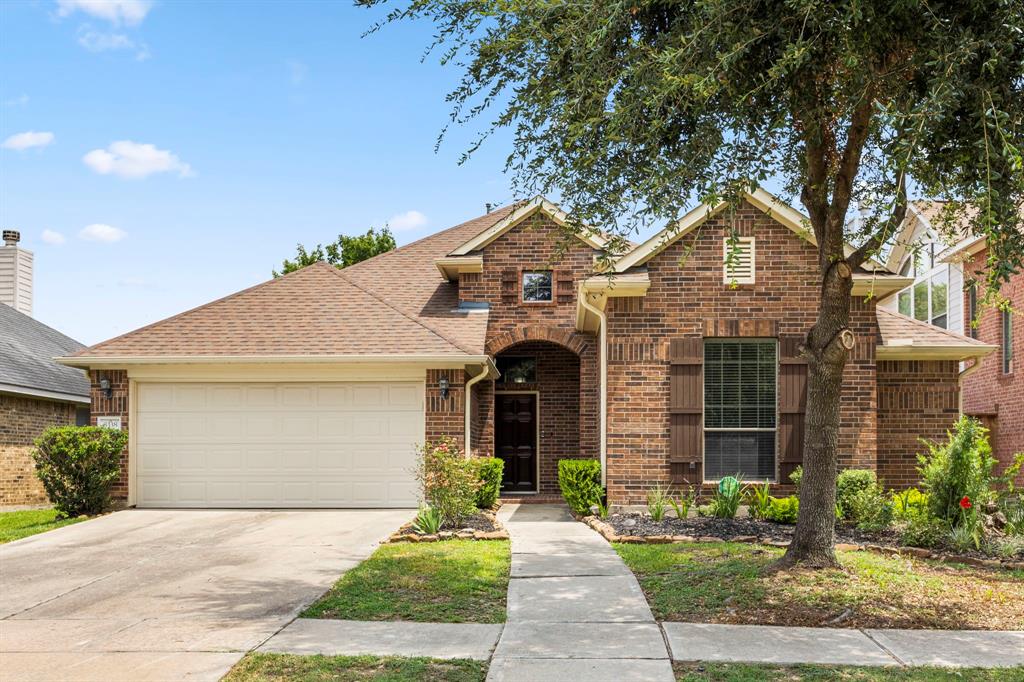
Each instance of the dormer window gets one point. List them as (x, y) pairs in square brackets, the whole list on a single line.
[(537, 286), (739, 261)]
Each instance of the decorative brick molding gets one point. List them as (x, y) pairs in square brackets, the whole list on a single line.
[(22, 420)]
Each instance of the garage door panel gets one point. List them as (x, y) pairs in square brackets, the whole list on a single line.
[(270, 445)]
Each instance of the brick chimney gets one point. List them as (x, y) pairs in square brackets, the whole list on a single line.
[(15, 273)]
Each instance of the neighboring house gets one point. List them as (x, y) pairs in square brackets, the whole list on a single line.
[(993, 387), (35, 391), (313, 389)]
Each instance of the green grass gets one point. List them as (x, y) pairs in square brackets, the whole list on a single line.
[(20, 524), (281, 667), (729, 583), (454, 581), (742, 672)]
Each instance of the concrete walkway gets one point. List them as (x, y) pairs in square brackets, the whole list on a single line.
[(574, 609)]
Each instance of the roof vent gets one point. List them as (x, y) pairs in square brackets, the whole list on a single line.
[(11, 237), (739, 261)]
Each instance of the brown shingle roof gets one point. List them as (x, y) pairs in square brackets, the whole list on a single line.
[(393, 304), (905, 338)]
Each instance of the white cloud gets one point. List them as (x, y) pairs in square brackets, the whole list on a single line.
[(19, 101), (27, 140), (99, 41), (55, 238), (410, 220), (128, 159), (98, 232), (117, 12)]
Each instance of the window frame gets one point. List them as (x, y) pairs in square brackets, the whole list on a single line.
[(501, 380), (551, 287), (704, 411), (1006, 332), (926, 279)]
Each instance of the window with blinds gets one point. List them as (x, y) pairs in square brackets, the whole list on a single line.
[(739, 261), (740, 408)]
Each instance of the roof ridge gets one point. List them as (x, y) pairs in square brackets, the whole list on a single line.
[(340, 273), (930, 327), (403, 247), (230, 296)]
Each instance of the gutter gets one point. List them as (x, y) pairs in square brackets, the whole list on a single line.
[(484, 372), (583, 298)]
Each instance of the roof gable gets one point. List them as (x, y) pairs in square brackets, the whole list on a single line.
[(519, 213)]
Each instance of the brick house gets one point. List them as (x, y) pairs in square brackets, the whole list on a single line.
[(993, 388), (35, 392), (672, 365)]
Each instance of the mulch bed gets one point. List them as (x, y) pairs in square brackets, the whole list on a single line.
[(640, 528), (483, 525)]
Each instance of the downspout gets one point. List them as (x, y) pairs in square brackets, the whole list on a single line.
[(484, 371), (587, 305)]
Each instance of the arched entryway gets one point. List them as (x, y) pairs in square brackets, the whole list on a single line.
[(542, 408)]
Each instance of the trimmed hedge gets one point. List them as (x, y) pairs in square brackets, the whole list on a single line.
[(489, 469), (78, 465), (580, 481)]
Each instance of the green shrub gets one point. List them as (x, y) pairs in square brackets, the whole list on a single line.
[(909, 504), (657, 502), (961, 467), (759, 499), (580, 482), (449, 481), (77, 466), (924, 530), (727, 498), (489, 470), (686, 500), (783, 509), (870, 509), (848, 484), (796, 478), (427, 521)]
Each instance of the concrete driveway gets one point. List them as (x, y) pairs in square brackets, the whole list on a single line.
[(169, 595)]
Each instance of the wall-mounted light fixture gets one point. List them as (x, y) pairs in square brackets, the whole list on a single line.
[(105, 387), (442, 384)]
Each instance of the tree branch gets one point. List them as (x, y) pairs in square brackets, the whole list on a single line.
[(899, 213), (849, 164)]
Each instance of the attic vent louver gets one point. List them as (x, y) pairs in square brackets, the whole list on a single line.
[(739, 261)]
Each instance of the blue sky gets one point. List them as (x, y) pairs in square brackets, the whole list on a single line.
[(192, 144)]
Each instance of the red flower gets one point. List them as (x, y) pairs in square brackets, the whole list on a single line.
[(965, 502)]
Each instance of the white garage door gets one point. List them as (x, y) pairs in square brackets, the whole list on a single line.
[(277, 444)]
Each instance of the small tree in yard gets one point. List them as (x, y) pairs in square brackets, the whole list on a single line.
[(632, 109), (77, 466), (449, 481), (342, 252)]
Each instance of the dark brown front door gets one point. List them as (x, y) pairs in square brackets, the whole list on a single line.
[(515, 440)]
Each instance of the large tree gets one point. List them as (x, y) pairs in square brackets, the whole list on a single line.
[(341, 253), (630, 110)]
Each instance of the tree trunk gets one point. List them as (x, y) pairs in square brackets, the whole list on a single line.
[(828, 345)]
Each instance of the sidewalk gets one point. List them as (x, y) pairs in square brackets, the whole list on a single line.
[(574, 609)]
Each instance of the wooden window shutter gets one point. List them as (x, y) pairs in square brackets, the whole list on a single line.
[(792, 405), (509, 285), (563, 286), (686, 407)]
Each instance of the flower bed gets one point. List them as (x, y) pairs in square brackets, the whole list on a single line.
[(639, 528), (483, 525)]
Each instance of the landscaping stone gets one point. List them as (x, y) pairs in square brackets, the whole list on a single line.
[(308, 636), (771, 644)]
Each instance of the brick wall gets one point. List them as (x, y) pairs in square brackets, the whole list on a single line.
[(916, 399), (446, 416), (513, 326), (688, 297), (22, 420), (114, 406), (989, 393)]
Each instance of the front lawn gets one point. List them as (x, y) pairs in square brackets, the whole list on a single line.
[(15, 525), (454, 581), (727, 583), (289, 668), (743, 672)]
